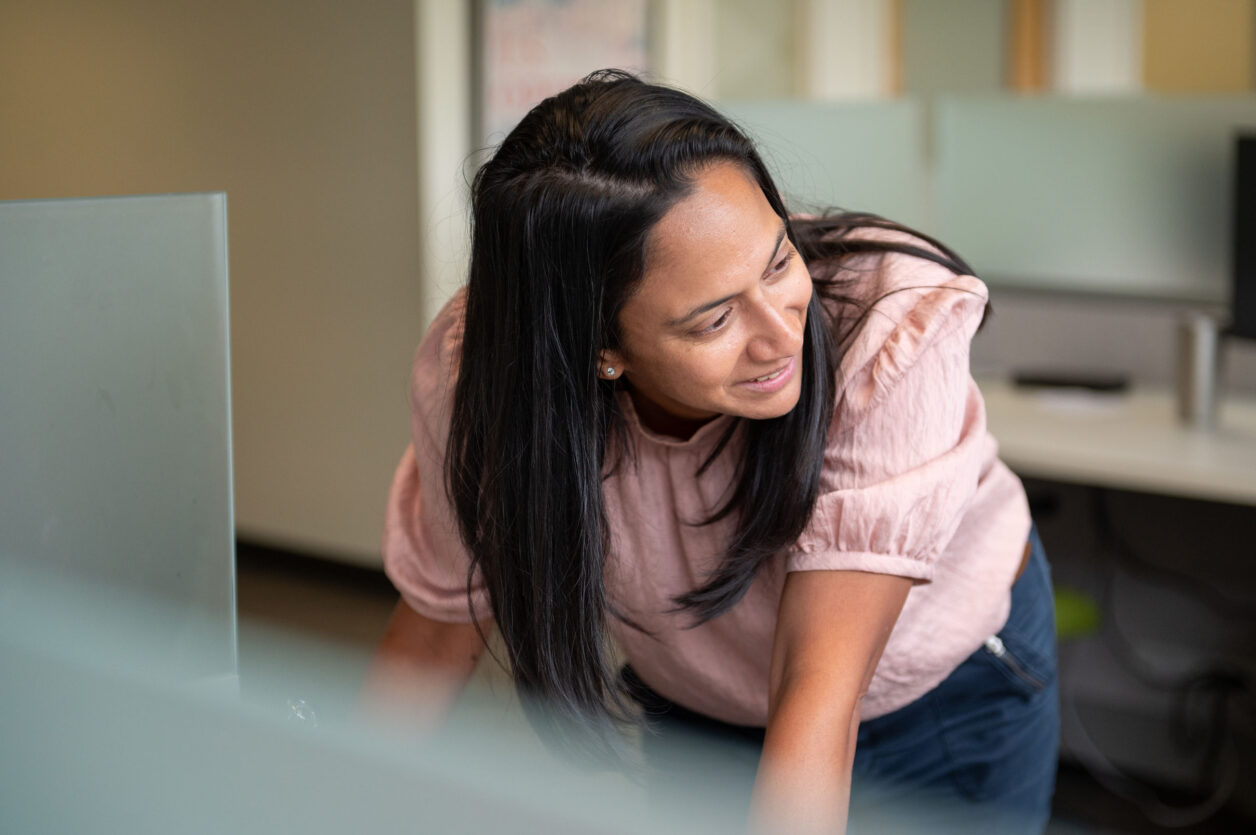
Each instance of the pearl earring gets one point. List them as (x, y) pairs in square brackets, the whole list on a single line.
[(610, 371)]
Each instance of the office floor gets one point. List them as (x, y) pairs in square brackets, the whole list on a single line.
[(344, 610)]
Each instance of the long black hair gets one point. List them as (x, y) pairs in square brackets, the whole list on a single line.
[(561, 218)]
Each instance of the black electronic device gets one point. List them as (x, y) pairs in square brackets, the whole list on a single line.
[(1044, 378), (1243, 236)]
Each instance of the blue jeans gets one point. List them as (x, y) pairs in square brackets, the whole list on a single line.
[(975, 754)]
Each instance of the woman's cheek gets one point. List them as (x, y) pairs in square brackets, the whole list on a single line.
[(722, 367), (804, 284)]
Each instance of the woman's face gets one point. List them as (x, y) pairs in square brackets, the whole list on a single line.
[(716, 325)]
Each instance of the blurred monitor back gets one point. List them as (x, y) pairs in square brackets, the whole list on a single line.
[(115, 417)]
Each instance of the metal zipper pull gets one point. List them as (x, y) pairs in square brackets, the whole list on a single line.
[(994, 645)]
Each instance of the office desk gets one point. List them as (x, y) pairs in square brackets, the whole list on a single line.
[(1130, 441), (1111, 712)]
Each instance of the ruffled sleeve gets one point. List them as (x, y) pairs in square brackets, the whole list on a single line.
[(424, 556), (906, 446)]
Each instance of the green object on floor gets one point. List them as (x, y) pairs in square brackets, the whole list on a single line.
[(1076, 614)]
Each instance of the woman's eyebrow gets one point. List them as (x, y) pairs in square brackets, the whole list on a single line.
[(703, 308)]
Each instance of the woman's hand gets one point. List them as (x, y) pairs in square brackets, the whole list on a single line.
[(831, 629), (420, 667)]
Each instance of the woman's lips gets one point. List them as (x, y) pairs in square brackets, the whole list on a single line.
[(773, 380)]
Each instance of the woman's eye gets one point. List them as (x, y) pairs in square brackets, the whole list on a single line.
[(717, 324), (783, 262)]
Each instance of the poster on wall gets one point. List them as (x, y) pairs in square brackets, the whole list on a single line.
[(531, 49)]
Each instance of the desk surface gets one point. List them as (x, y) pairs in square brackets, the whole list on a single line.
[(1131, 441)]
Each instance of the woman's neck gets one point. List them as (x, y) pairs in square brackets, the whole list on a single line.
[(662, 422)]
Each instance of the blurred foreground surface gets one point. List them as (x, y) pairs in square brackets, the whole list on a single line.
[(105, 730)]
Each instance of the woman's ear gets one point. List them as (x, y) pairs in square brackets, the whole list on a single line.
[(610, 365)]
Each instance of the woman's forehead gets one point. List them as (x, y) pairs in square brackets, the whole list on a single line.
[(723, 232)]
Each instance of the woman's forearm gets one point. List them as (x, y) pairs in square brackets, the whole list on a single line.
[(821, 667), (419, 669), (803, 783)]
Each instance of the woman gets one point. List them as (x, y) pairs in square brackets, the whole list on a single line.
[(745, 445)]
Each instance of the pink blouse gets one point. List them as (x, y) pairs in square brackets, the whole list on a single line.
[(911, 485)]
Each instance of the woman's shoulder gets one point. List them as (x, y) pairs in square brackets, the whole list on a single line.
[(880, 258), (897, 303), (434, 372), (905, 278)]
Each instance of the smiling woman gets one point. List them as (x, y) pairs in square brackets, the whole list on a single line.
[(737, 351), (745, 445)]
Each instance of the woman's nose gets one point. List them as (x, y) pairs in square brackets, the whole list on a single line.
[(779, 333)]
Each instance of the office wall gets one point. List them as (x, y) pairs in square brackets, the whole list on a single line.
[(1194, 46), (952, 47), (755, 49), (303, 111)]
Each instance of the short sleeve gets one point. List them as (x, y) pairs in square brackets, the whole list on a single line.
[(423, 553), (906, 445)]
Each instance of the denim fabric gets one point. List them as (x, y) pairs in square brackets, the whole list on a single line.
[(976, 754)]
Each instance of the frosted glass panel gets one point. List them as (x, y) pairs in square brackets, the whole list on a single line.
[(115, 446), (1115, 195), (866, 156)]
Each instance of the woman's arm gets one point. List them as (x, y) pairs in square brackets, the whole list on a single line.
[(830, 632), (420, 667)]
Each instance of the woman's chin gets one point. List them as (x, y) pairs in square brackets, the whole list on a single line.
[(779, 405)]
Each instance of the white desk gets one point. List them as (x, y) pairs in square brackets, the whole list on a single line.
[(1130, 441), (1134, 441)]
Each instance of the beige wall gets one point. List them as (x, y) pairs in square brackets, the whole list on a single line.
[(755, 48), (1198, 46), (303, 111)]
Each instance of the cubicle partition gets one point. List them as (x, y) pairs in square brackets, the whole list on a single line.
[(866, 156), (1121, 195), (1113, 195)]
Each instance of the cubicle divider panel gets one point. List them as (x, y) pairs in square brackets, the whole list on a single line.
[(859, 155), (1115, 194)]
